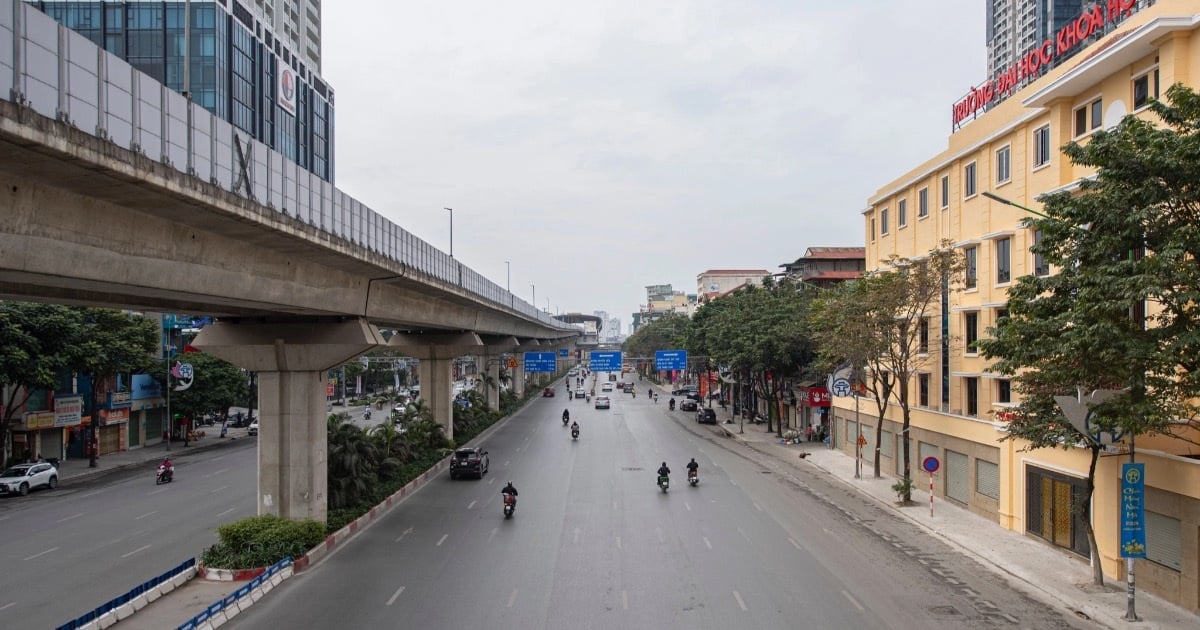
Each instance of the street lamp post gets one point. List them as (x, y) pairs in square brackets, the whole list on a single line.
[(451, 210), (533, 299), (508, 276), (1009, 202)]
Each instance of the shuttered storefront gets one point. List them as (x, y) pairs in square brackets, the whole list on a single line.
[(958, 477), (110, 439), (987, 478)]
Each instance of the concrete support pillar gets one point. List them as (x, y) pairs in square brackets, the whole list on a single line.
[(493, 358), (290, 358), (493, 380), (519, 379), (529, 345), (436, 352)]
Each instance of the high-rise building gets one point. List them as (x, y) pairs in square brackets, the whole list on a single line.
[(243, 68), (297, 23)]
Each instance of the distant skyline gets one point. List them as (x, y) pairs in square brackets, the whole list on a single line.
[(601, 147)]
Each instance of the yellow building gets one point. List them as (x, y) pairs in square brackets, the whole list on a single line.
[(1010, 147)]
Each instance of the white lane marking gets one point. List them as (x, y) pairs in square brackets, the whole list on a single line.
[(687, 505), (758, 507), (38, 555), (827, 531), (614, 506), (470, 505), (145, 515), (506, 463), (226, 512), (395, 595), (795, 544), (512, 598), (403, 534), (4, 518), (618, 542), (577, 535), (659, 531), (139, 549), (152, 493), (742, 604), (90, 494), (442, 539), (706, 543), (733, 482), (853, 601), (743, 533), (491, 480), (216, 472), (494, 530), (624, 600), (67, 518), (218, 490), (8, 605)]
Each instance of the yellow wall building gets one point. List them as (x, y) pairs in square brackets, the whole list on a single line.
[(1011, 148)]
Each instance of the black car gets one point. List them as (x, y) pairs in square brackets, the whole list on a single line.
[(688, 404), (469, 461), (686, 389), (706, 415)]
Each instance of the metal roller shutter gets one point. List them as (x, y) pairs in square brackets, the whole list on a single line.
[(958, 477), (1163, 540), (987, 478)]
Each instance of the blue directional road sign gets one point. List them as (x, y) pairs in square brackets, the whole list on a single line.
[(605, 361), (562, 352), (670, 359), (541, 362)]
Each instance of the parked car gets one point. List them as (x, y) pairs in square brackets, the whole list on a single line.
[(687, 404), (22, 478), (603, 402), (607, 387), (686, 389), (548, 392), (469, 461), (706, 415), (253, 428)]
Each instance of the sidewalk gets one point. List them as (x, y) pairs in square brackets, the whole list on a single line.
[(1062, 578)]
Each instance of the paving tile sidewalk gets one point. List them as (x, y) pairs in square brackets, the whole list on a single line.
[(1063, 578)]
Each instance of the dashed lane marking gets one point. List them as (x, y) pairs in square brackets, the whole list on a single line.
[(624, 600), (706, 543), (741, 604), (225, 512), (145, 515), (67, 518), (491, 535), (687, 505), (38, 555), (138, 550), (758, 507), (743, 533), (618, 542), (8, 605), (218, 490), (512, 598), (442, 539), (471, 505), (216, 472), (392, 599), (853, 601), (795, 544)]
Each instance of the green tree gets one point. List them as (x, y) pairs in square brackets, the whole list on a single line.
[(1121, 310), (353, 462), (667, 333), (217, 385), (35, 346), (109, 342)]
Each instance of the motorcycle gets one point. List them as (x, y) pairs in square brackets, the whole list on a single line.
[(164, 475), (671, 404), (566, 419), (693, 477), (663, 482), (575, 433), (510, 505)]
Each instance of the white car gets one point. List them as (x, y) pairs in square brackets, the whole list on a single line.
[(603, 402), (607, 387), (253, 428), (22, 478)]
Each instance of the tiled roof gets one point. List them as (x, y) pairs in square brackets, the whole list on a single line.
[(835, 275), (735, 272)]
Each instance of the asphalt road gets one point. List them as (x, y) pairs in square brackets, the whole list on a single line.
[(594, 544), (66, 551)]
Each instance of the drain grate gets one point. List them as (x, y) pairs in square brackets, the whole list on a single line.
[(944, 611)]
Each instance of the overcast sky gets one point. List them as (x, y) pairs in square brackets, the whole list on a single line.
[(605, 145)]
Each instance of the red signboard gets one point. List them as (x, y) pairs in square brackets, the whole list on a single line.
[(1040, 57), (816, 397)]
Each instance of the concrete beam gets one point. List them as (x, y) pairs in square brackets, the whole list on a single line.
[(493, 355)]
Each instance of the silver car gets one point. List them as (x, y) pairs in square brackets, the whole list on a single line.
[(22, 478)]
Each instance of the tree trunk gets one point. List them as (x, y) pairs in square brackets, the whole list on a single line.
[(1086, 511), (906, 496), (878, 437)]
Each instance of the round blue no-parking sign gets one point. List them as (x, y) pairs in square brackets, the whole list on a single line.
[(930, 464)]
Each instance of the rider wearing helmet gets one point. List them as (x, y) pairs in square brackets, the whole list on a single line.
[(663, 471), (566, 414), (509, 489), (693, 467)]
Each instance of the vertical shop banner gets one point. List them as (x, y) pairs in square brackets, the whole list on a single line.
[(1133, 510)]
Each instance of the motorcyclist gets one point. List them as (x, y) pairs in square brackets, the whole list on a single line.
[(671, 403), (510, 489), (656, 399), (663, 471), (566, 415), (575, 427), (166, 466), (693, 468)]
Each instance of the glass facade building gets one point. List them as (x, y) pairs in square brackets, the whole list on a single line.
[(237, 68)]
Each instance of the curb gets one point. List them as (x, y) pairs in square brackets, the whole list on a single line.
[(245, 596), (131, 607), (229, 575)]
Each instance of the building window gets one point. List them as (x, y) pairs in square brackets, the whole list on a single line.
[(1003, 169), (971, 277), (1040, 266), (872, 229), (1003, 390), (969, 181), (923, 390), (901, 213), (883, 221), (1092, 110), (971, 331), (972, 393), (945, 191), (1003, 260), (1145, 88), (923, 203), (1041, 146), (923, 336)]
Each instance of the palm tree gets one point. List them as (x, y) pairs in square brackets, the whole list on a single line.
[(353, 460)]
